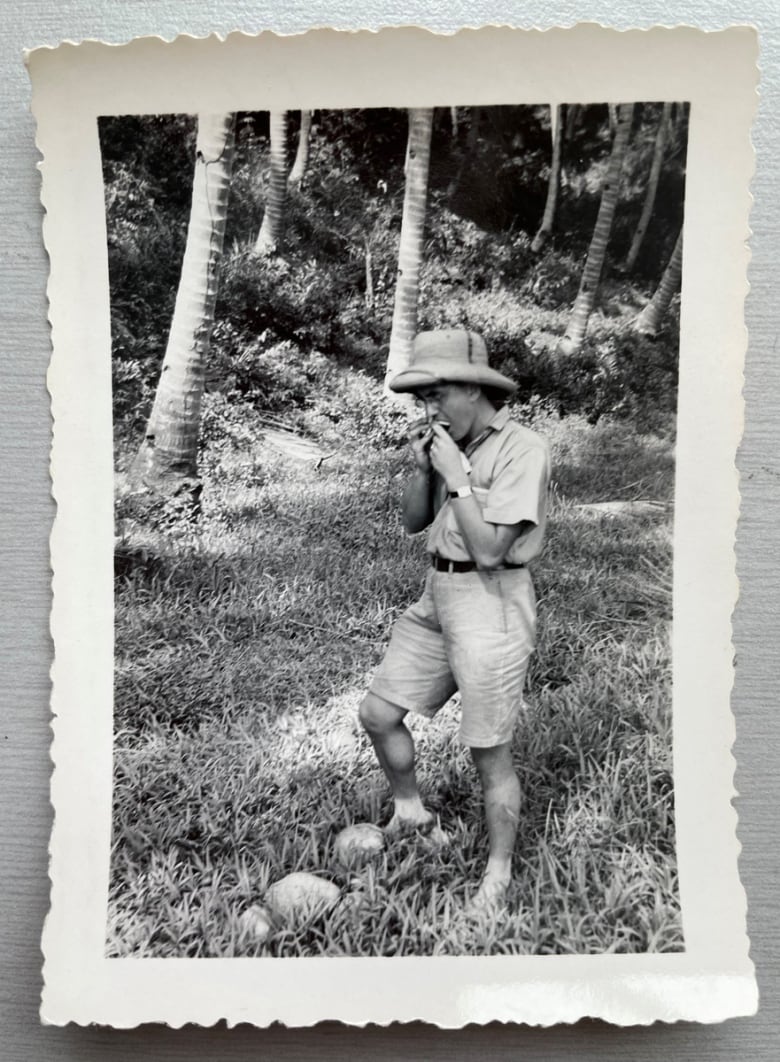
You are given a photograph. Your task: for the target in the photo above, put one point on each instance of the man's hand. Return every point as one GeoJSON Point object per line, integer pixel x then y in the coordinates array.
{"type": "Point", "coordinates": [446, 458]}
{"type": "Point", "coordinates": [420, 436]}
{"type": "Point", "coordinates": [417, 501]}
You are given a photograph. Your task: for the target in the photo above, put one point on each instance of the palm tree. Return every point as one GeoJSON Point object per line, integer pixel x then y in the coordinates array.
{"type": "Point", "coordinates": [594, 264]}
{"type": "Point", "coordinates": [612, 111]}
{"type": "Point", "coordinates": [572, 117]}
{"type": "Point", "coordinates": [548, 218]}
{"type": "Point", "coordinates": [273, 219]}
{"type": "Point", "coordinates": [167, 459]}
{"type": "Point", "coordinates": [649, 320]}
{"type": "Point", "coordinates": [410, 251]}
{"type": "Point", "coordinates": [298, 171]}
{"type": "Point", "coordinates": [652, 188]}
{"type": "Point", "coordinates": [476, 115]}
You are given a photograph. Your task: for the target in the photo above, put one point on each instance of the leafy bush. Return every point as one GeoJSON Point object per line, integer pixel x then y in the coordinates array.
{"type": "Point", "coordinates": [330, 292]}
{"type": "Point", "coordinates": [555, 280]}
{"type": "Point", "coordinates": [356, 404]}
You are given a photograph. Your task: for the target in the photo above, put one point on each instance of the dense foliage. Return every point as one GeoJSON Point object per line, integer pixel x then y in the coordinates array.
{"type": "Point", "coordinates": [330, 291]}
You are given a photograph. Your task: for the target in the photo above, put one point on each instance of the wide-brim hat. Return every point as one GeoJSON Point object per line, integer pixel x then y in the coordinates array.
{"type": "Point", "coordinates": [449, 355]}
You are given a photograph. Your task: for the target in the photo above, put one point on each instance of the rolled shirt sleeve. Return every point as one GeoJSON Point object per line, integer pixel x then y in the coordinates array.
{"type": "Point", "coordinates": [518, 491]}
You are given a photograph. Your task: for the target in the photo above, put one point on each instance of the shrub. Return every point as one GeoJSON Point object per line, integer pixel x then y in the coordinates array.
{"type": "Point", "coordinates": [554, 281]}
{"type": "Point", "coordinates": [276, 316]}
{"type": "Point", "coordinates": [357, 405]}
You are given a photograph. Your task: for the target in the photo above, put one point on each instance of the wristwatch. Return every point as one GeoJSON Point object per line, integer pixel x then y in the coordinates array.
{"type": "Point", "coordinates": [462, 492]}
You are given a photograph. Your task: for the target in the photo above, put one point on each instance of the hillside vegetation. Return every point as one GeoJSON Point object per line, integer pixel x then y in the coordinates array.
{"type": "Point", "coordinates": [485, 200]}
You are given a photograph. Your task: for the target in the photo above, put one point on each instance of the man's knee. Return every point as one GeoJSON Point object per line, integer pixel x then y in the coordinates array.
{"type": "Point", "coordinates": [494, 765]}
{"type": "Point", "coordinates": [377, 715]}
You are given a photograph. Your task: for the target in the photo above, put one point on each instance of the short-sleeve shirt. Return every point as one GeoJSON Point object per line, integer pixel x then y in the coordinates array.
{"type": "Point", "coordinates": [510, 476]}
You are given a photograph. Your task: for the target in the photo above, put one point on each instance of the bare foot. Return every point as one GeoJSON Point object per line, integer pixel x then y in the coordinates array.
{"type": "Point", "coordinates": [436, 837]}
{"type": "Point", "coordinates": [406, 824]}
{"type": "Point", "coordinates": [490, 897]}
{"type": "Point", "coordinates": [424, 828]}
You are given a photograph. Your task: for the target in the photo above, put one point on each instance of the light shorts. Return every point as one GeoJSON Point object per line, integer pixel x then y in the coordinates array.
{"type": "Point", "coordinates": [470, 631]}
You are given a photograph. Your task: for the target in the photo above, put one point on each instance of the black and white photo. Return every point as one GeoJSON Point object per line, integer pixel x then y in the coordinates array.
{"type": "Point", "coordinates": [264, 478]}
{"type": "Point", "coordinates": [394, 435]}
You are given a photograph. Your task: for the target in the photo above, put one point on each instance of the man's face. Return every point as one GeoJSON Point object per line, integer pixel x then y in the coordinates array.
{"type": "Point", "coordinates": [450, 402]}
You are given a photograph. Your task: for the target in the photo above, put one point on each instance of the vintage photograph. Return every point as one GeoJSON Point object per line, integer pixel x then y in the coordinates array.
{"type": "Point", "coordinates": [394, 398]}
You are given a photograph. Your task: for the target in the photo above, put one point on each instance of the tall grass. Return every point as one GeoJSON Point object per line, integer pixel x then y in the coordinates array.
{"type": "Point", "coordinates": [244, 645]}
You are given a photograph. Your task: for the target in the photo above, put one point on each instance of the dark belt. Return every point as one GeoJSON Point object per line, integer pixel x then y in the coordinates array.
{"type": "Point", "coordinates": [441, 564]}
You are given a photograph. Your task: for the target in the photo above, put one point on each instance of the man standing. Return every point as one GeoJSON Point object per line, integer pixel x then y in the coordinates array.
{"type": "Point", "coordinates": [480, 486]}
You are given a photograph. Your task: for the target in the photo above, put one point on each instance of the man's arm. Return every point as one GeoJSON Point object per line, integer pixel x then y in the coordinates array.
{"type": "Point", "coordinates": [417, 501]}
{"type": "Point", "coordinates": [488, 543]}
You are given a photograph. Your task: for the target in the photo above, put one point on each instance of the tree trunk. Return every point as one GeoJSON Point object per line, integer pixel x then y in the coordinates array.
{"type": "Point", "coordinates": [612, 111]}
{"type": "Point", "coordinates": [649, 320]}
{"type": "Point", "coordinates": [454, 122]}
{"type": "Point", "coordinates": [410, 251]}
{"type": "Point", "coordinates": [572, 115]}
{"type": "Point", "coordinates": [273, 219]}
{"type": "Point", "coordinates": [594, 264]}
{"type": "Point", "coordinates": [298, 172]}
{"type": "Point", "coordinates": [652, 188]}
{"type": "Point", "coordinates": [467, 158]}
{"type": "Point", "coordinates": [548, 218]}
{"type": "Point", "coordinates": [168, 458]}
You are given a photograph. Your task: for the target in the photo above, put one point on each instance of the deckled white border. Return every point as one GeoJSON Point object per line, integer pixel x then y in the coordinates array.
{"type": "Point", "coordinates": [713, 979]}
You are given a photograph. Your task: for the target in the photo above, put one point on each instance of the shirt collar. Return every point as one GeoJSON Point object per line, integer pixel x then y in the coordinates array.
{"type": "Point", "coordinates": [496, 423]}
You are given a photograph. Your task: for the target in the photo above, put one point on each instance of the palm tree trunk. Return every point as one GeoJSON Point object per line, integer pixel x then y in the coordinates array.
{"type": "Point", "coordinates": [652, 188]}
{"type": "Point", "coordinates": [410, 252]}
{"type": "Point", "coordinates": [649, 320]}
{"type": "Point", "coordinates": [167, 459]}
{"type": "Point", "coordinates": [298, 172]}
{"type": "Point", "coordinates": [467, 158]}
{"type": "Point", "coordinates": [454, 122]}
{"type": "Point", "coordinates": [612, 111]}
{"type": "Point", "coordinates": [572, 116]}
{"type": "Point", "coordinates": [594, 264]}
{"type": "Point", "coordinates": [548, 218]}
{"type": "Point", "coordinates": [273, 219]}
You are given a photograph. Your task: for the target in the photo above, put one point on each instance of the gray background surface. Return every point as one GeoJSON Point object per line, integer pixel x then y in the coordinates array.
{"type": "Point", "coordinates": [27, 512]}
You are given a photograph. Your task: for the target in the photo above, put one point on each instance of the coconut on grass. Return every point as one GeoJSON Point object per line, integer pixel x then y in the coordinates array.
{"type": "Point", "coordinates": [358, 844]}
{"type": "Point", "coordinates": [255, 924]}
{"type": "Point", "coordinates": [291, 898]}
{"type": "Point", "coordinates": [301, 894]}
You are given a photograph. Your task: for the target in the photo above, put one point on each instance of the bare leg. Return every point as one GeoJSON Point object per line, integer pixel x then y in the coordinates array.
{"type": "Point", "coordinates": [394, 747]}
{"type": "Point", "coordinates": [501, 790]}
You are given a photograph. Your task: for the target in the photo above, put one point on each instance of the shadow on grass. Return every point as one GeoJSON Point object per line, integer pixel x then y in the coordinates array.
{"type": "Point", "coordinates": [241, 656]}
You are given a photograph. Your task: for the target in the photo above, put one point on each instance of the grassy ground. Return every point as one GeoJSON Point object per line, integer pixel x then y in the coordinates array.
{"type": "Point", "coordinates": [243, 649]}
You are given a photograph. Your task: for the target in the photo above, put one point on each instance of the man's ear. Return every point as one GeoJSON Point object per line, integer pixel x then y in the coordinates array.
{"type": "Point", "coordinates": [473, 391]}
